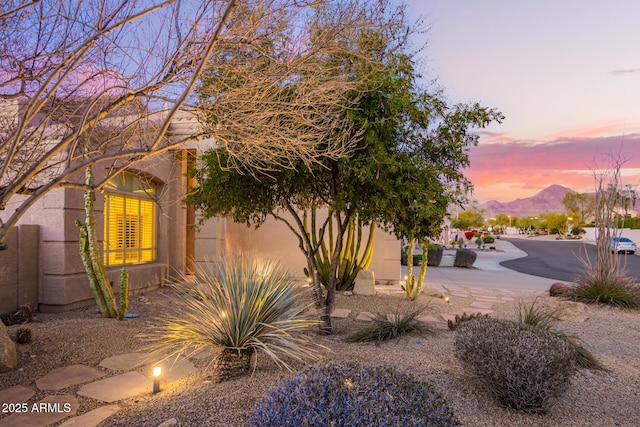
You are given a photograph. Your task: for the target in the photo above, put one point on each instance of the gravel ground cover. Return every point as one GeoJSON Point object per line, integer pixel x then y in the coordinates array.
{"type": "Point", "coordinates": [593, 398]}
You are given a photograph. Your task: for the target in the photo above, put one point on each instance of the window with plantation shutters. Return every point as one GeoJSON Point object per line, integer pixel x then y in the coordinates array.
{"type": "Point", "coordinates": [129, 221]}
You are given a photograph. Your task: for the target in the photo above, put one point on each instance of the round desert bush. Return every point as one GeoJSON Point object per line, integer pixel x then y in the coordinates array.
{"type": "Point", "coordinates": [521, 366]}
{"type": "Point", "coordinates": [351, 394]}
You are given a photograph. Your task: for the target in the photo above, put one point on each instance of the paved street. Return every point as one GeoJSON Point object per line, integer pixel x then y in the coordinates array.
{"type": "Point", "coordinates": [560, 260]}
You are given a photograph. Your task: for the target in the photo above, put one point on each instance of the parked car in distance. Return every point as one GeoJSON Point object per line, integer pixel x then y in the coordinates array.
{"type": "Point", "coordinates": [622, 244]}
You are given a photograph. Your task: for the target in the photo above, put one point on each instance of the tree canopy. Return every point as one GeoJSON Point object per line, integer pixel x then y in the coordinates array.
{"type": "Point", "coordinates": [409, 146]}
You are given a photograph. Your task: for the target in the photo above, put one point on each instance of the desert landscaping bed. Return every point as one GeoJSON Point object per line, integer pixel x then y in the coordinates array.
{"type": "Point", "coordinates": [593, 398]}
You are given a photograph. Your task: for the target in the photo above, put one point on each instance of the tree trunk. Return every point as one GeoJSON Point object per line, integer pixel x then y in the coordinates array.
{"type": "Point", "coordinates": [231, 363]}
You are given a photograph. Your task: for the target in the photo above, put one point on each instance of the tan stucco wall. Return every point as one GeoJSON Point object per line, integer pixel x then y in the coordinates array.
{"type": "Point", "coordinates": [62, 280]}
{"type": "Point", "coordinates": [275, 240]}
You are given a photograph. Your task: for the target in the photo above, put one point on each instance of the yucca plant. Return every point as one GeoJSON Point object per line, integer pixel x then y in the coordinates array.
{"type": "Point", "coordinates": [385, 328]}
{"type": "Point", "coordinates": [241, 307]}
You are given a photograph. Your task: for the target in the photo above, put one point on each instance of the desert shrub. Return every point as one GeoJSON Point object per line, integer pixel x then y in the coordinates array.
{"type": "Point", "coordinates": [458, 320]}
{"type": "Point", "coordinates": [17, 317]}
{"type": "Point", "coordinates": [611, 288]}
{"type": "Point", "coordinates": [239, 307]}
{"type": "Point", "coordinates": [24, 335]}
{"type": "Point", "coordinates": [578, 231]}
{"type": "Point", "coordinates": [351, 394]}
{"type": "Point", "coordinates": [488, 239]}
{"type": "Point", "coordinates": [464, 258]}
{"type": "Point", "coordinates": [535, 315]}
{"type": "Point", "coordinates": [521, 366]}
{"type": "Point", "coordinates": [383, 328]}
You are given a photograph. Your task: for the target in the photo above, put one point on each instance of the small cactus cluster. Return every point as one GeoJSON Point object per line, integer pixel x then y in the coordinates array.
{"type": "Point", "coordinates": [453, 324]}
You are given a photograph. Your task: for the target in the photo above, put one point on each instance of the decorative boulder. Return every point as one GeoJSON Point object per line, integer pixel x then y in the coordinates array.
{"type": "Point", "coordinates": [8, 355]}
{"type": "Point", "coordinates": [365, 283]}
{"type": "Point", "coordinates": [568, 310]}
{"type": "Point", "coordinates": [464, 258]}
{"type": "Point", "coordinates": [558, 289]}
{"type": "Point", "coordinates": [434, 256]}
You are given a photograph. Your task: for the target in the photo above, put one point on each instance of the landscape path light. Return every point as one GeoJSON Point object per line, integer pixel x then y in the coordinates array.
{"type": "Point", "coordinates": [157, 371]}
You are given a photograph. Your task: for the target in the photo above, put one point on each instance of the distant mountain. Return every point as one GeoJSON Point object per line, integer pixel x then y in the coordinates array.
{"type": "Point", "coordinates": [546, 201]}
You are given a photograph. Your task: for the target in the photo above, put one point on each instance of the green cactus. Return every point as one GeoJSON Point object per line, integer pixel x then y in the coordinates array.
{"type": "Point", "coordinates": [412, 288]}
{"type": "Point", "coordinates": [350, 260]}
{"type": "Point", "coordinates": [99, 283]}
{"type": "Point", "coordinates": [124, 293]}
{"type": "Point", "coordinates": [453, 324]}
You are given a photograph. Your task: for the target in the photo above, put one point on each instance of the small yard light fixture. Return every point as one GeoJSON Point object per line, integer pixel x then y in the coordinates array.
{"type": "Point", "coordinates": [157, 371]}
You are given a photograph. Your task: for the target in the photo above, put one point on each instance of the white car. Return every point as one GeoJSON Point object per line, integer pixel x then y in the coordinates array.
{"type": "Point", "coordinates": [622, 244]}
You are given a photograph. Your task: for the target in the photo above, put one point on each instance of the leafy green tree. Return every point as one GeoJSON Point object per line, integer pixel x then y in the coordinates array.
{"type": "Point", "coordinates": [528, 224]}
{"type": "Point", "coordinates": [580, 206]}
{"type": "Point", "coordinates": [555, 223]}
{"type": "Point", "coordinates": [470, 218]}
{"type": "Point", "coordinates": [402, 174]}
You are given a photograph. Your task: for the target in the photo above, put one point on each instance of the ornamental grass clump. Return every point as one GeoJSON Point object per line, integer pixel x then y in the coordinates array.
{"type": "Point", "coordinates": [242, 307]}
{"type": "Point", "coordinates": [384, 328]}
{"type": "Point", "coordinates": [523, 367]}
{"type": "Point", "coordinates": [352, 394]}
{"type": "Point", "coordinates": [606, 287]}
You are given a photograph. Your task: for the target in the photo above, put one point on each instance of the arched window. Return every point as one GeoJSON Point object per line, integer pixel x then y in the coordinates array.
{"type": "Point", "coordinates": [129, 220]}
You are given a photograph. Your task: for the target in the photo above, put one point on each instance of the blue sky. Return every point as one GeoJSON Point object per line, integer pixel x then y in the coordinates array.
{"type": "Point", "coordinates": [566, 74]}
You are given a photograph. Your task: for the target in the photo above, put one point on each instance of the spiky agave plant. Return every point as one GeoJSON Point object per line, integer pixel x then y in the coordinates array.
{"type": "Point", "coordinates": [240, 307]}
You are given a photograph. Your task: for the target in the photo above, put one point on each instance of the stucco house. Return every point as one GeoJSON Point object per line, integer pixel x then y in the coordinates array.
{"type": "Point", "coordinates": [144, 226]}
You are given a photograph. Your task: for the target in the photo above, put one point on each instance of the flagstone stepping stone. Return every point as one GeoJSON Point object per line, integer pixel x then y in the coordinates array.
{"type": "Point", "coordinates": [92, 418]}
{"type": "Point", "coordinates": [67, 376]}
{"type": "Point", "coordinates": [460, 294]}
{"type": "Point", "coordinates": [481, 304]}
{"type": "Point", "coordinates": [365, 316]}
{"type": "Point", "coordinates": [126, 362]}
{"type": "Point", "coordinates": [16, 394]}
{"type": "Point", "coordinates": [340, 313]}
{"type": "Point", "coordinates": [174, 371]}
{"type": "Point", "coordinates": [427, 319]}
{"type": "Point", "coordinates": [49, 410]}
{"type": "Point", "coordinates": [485, 292]}
{"type": "Point", "coordinates": [491, 300]}
{"type": "Point", "coordinates": [117, 388]}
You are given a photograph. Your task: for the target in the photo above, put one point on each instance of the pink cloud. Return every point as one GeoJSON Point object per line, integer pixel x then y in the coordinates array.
{"type": "Point", "coordinates": [506, 171]}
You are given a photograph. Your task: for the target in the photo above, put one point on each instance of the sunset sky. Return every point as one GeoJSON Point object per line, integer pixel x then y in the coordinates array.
{"type": "Point", "coordinates": [566, 74]}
